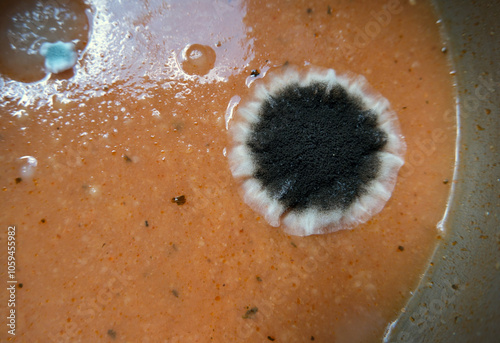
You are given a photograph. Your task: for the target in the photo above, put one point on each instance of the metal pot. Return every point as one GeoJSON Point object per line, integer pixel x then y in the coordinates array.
{"type": "Point", "coordinates": [458, 298]}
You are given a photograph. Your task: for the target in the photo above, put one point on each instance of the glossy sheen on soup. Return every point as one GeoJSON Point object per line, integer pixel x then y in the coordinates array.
{"type": "Point", "coordinates": [129, 224]}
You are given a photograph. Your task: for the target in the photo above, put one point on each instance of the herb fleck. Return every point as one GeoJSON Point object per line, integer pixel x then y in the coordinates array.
{"type": "Point", "coordinates": [455, 287]}
{"type": "Point", "coordinates": [127, 159]}
{"type": "Point", "coordinates": [18, 179]}
{"type": "Point", "coordinates": [250, 313]}
{"type": "Point", "coordinates": [180, 200]}
{"type": "Point", "coordinates": [328, 10]}
{"type": "Point", "coordinates": [271, 338]}
{"type": "Point", "coordinates": [309, 10]}
{"type": "Point", "coordinates": [293, 244]}
{"type": "Point", "coordinates": [175, 293]}
{"type": "Point", "coordinates": [401, 248]}
{"type": "Point", "coordinates": [112, 333]}
{"type": "Point", "coordinates": [312, 338]}
{"type": "Point", "coordinates": [43, 221]}
{"type": "Point", "coordinates": [259, 278]}
{"type": "Point", "coordinates": [146, 223]}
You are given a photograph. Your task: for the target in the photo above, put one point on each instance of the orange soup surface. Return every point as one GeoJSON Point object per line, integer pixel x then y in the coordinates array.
{"type": "Point", "coordinates": [129, 224]}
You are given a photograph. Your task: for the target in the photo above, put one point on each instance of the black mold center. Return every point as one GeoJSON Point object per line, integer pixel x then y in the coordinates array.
{"type": "Point", "coordinates": [314, 148]}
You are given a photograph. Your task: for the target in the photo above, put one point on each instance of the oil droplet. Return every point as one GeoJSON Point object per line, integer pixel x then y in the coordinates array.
{"type": "Point", "coordinates": [198, 59]}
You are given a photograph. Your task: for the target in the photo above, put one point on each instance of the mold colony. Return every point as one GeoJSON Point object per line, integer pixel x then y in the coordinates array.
{"type": "Point", "coordinates": [117, 176]}
{"type": "Point", "coordinates": [59, 56]}
{"type": "Point", "coordinates": [317, 149]}
{"type": "Point", "coordinates": [32, 28]}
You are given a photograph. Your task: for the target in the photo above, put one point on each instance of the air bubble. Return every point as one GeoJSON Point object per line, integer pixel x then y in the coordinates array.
{"type": "Point", "coordinates": [28, 168]}
{"type": "Point", "coordinates": [197, 59]}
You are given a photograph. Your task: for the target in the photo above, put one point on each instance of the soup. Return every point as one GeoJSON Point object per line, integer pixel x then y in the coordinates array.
{"type": "Point", "coordinates": [129, 225]}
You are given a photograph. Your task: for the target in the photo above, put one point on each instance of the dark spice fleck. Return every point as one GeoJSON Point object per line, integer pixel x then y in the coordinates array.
{"type": "Point", "coordinates": [309, 10]}
{"type": "Point", "coordinates": [127, 159]}
{"type": "Point", "coordinates": [455, 287]}
{"type": "Point", "coordinates": [250, 313]}
{"type": "Point", "coordinates": [20, 285]}
{"type": "Point", "coordinates": [180, 200]}
{"type": "Point", "coordinates": [146, 223]}
{"type": "Point", "coordinates": [175, 293]}
{"type": "Point", "coordinates": [293, 244]}
{"type": "Point", "coordinates": [312, 338]}
{"type": "Point", "coordinates": [445, 181]}
{"type": "Point", "coordinates": [271, 338]}
{"type": "Point", "coordinates": [259, 278]}
{"type": "Point", "coordinates": [328, 10]}
{"type": "Point", "coordinates": [401, 248]}
{"type": "Point", "coordinates": [18, 179]}
{"type": "Point", "coordinates": [255, 72]}
{"type": "Point", "coordinates": [112, 333]}
{"type": "Point", "coordinates": [43, 221]}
